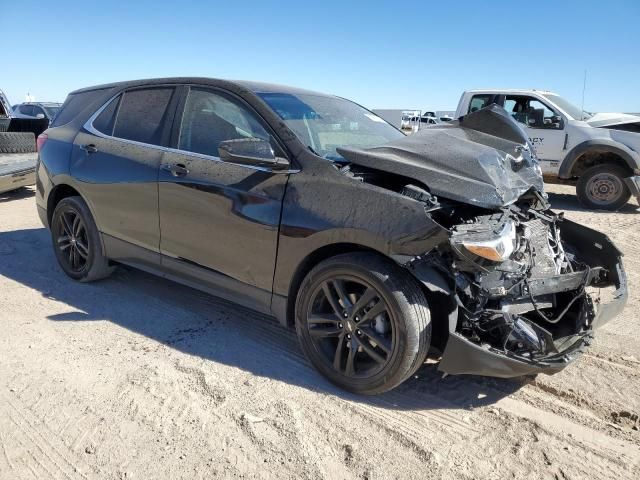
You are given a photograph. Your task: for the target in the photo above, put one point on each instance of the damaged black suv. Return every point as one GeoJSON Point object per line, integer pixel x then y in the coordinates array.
{"type": "Point", "coordinates": [375, 245]}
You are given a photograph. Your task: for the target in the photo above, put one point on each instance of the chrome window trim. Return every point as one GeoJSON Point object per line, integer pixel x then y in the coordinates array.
{"type": "Point", "coordinates": [88, 126]}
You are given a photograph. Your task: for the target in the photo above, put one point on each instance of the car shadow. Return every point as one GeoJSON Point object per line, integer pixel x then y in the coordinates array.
{"type": "Point", "coordinates": [569, 201]}
{"type": "Point", "coordinates": [201, 325]}
{"type": "Point", "coordinates": [18, 194]}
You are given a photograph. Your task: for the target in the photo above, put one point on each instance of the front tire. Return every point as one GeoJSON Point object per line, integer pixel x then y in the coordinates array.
{"type": "Point", "coordinates": [76, 241]}
{"type": "Point", "coordinates": [603, 187]}
{"type": "Point", "coordinates": [363, 322]}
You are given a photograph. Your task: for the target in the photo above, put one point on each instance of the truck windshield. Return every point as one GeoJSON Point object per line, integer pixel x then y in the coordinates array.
{"type": "Point", "coordinates": [326, 123]}
{"type": "Point", "coordinates": [568, 107]}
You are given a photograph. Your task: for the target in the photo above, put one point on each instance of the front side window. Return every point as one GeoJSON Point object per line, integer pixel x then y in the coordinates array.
{"type": "Point", "coordinates": [211, 117]}
{"type": "Point", "coordinates": [142, 114]}
{"type": "Point", "coordinates": [531, 112]}
{"type": "Point", "coordinates": [51, 111]}
{"type": "Point", "coordinates": [325, 123]}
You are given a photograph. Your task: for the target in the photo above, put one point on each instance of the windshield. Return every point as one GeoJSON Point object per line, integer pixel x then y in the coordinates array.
{"type": "Point", "coordinates": [326, 123]}
{"type": "Point", "coordinates": [568, 107]}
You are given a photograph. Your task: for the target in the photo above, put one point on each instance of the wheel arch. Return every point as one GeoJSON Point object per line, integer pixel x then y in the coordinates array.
{"type": "Point", "coordinates": [597, 152]}
{"type": "Point", "coordinates": [58, 193]}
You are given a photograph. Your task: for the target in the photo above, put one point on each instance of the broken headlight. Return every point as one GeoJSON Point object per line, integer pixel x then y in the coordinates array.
{"type": "Point", "coordinates": [497, 249]}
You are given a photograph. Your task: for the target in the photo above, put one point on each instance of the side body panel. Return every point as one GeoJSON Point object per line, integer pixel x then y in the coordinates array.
{"type": "Point", "coordinates": [222, 217]}
{"type": "Point", "coordinates": [119, 182]}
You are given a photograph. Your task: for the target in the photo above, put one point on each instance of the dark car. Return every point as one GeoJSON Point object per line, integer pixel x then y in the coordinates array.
{"type": "Point", "coordinates": [309, 207]}
{"type": "Point", "coordinates": [46, 110]}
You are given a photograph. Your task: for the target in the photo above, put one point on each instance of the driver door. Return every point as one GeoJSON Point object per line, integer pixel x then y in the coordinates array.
{"type": "Point", "coordinates": [547, 136]}
{"type": "Point", "coordinates": [219, 221]}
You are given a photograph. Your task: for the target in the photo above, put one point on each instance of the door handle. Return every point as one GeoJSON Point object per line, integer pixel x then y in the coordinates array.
{"type": "Point", "coordinates": [89, 148]}
{"type": "Point", "coordinates": [175, 169]}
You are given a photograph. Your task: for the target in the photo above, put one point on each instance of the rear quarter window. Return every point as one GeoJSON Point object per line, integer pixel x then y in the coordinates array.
{"type": "Point", "coordinates": [74, 105]}
{"type": "Point", "coordinates": [105, 122]}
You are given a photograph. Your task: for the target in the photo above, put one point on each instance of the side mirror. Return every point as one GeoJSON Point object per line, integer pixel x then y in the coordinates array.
{"type": "Point", "coordinates": [251, 151]}
{"type": "Point", "coordinates": [40, 115]}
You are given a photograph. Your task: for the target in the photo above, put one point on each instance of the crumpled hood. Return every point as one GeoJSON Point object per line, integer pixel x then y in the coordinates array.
{"type": "Point", "coordinates": [609, 119]}
{"type": "Point", "coordinates": [482, 159]}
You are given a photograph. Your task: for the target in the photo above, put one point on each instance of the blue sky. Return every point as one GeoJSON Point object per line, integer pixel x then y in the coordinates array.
{"type": "Point", "coordinates": [382, 54]}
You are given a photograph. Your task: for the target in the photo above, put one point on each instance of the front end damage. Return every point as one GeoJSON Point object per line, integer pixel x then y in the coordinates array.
{"type": "Point", "coordinates": [527, 290]}
{"type": "Point", "coordinates": [522, 287]}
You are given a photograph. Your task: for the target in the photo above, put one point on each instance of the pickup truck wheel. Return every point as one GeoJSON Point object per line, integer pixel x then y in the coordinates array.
{"type": "Point", "coordinates": [363, 322]}
{"type": "Point", "coordinates": [603, 187]}
{"type": "Point", "coordinates": [17, 142]}
{"type": "Point", "coordinates": [76, 241]}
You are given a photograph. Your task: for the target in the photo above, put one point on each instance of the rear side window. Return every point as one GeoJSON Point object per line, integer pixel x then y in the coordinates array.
{"type": "Point", "coordinates": [74, 105]}
{"type": "Point", "coordinates": [142, 115]}
{"type": "Point", "coordinates": [106, 120]}
{"type": "Point", "coordinates": [478, 102]}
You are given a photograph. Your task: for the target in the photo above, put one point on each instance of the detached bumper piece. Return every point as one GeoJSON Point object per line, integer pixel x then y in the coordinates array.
{"type": "Point", "coordinates": [464, 357]}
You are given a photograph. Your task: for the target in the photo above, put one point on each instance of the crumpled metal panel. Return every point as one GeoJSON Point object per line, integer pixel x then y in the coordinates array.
{"type": "Point", "coordinates": [482, 159]}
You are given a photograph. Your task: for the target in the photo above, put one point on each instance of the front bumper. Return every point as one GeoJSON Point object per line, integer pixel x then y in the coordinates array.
{"type": "Point", "coordinates": [462, 356]}
{"type": "Point", "coordinates": [633, 184]}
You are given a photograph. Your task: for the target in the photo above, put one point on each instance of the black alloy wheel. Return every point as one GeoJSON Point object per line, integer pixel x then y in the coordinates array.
{"type": "Point", "coordinates": [72, 240]}
{"type": "Point", "coordinates": [363, 322]}
{"type": "Point", "coordinates": [348, 321]}
{"type": "Point", "coordinates": [76, 241]}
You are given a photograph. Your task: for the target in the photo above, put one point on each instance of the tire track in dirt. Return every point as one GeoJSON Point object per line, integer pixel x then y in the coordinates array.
{"type": "Point", "coordinates": [48, 452]}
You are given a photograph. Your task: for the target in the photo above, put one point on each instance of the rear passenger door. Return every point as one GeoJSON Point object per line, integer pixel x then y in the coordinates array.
{"type": "Point", "coordinates": [219, 221]}
{"type": "Point", "coordinates": [116, 159]}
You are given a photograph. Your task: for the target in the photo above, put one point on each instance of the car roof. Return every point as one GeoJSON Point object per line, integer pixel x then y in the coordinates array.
{"type": "Point", "coordinates": [255, 87]}
{"type": "Point", "coordinates": [510, 90]}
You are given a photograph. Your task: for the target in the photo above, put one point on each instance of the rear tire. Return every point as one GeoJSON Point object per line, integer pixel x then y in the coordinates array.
{"type": "Point", "coordinates": [17, 142]}
{"type": "Point", "coordinates": [603, 188]}
{"type": "Point", "coordinates": [363, 322]}
{"type": "Point", "coordinates": [76, 241]}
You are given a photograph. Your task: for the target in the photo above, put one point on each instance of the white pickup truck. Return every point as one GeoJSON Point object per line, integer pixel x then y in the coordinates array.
{"type": "Point", "coordinates": [599, 153]}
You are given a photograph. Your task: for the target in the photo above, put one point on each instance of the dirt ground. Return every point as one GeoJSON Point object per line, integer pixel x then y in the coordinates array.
{"type": "Point", "coordinates": [137, 377]}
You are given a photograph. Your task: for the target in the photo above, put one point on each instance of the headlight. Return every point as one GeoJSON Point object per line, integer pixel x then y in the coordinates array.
{"type": "Point", "coordinates": [497, 249]}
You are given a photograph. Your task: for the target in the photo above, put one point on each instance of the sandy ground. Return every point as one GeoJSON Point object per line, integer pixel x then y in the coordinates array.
{"type": "Point", "coordinates": [137, 377]}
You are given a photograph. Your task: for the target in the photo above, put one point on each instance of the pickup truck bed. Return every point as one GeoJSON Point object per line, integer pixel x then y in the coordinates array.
{"type": "Point", "coordinates": [17, 170]}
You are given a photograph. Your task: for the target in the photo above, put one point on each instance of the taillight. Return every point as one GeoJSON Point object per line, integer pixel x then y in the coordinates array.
{"type": "Point", "coordinates": [40, 141]}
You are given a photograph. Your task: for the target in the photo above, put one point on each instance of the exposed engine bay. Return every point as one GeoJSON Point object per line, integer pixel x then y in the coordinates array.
{"type": "Point", "coordinates": [519, 288]}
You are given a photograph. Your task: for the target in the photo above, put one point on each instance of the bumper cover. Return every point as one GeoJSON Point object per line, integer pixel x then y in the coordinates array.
{"type": "Point", "coordinates": [17, 170]}
{"type": "Point", "coordinates": [461, 356]}
{"type": "Point", "coordinates": [15, 180]}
